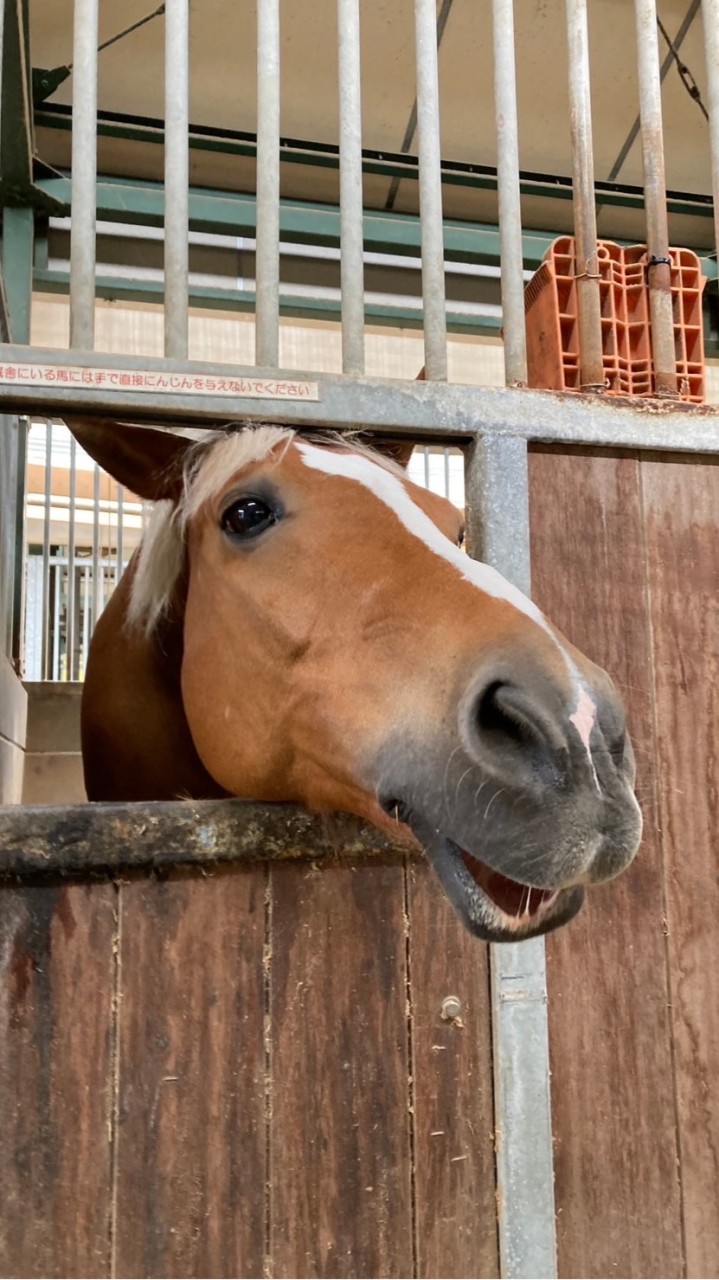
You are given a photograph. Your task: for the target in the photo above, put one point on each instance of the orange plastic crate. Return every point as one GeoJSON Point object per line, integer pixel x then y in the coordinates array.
{"type": "Point", "coordinates": [550, 301]}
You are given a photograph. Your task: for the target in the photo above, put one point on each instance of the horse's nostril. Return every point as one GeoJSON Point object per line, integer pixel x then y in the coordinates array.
{"type": "Point", "coordinates": [504, 715]}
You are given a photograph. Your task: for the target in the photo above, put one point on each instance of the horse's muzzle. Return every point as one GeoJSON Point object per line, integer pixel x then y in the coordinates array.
{"type": "Point", "coordinates": [523, 801]}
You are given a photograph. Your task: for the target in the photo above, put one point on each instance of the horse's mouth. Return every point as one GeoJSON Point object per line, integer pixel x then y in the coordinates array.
{"type": "Point", "coordinates": [490, 904]}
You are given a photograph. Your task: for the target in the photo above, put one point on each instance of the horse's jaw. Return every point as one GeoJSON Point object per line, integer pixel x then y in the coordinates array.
{"type": "Point", "coordinates": [491, 905]}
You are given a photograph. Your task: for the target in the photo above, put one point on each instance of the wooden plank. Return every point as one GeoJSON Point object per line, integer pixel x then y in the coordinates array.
{"type": "Point", "coordinates": [340, 1140]}
{"type": "Point", "coordinates": [455, 1193]}
{"type": "Point", "coordinates": [610, 1038]}
{"type": "Point", "coordinates": [681, 502]}
{"type": "Point", "coordinates": [56, 991]}
{"type": "Point", "coordinates": [191, 1115]}
{"type": "Point", "coordinates": [111, 837]}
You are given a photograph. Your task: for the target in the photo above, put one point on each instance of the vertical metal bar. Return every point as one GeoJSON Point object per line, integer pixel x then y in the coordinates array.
{"type": "Point", "coordinates": [84, 176]}
{"type": "Point", "coordinates": [498, 529]}
{"type": "Point", "coordinates": [45, 658]}
{"type": "Point", "coordinates": [70, 632]}
{"type": "Point", "coordinates": [351, 237]}
{"type": "Point", "coordinates": [177, 79]}
{"type": "Point", "coordinates": [710, 19]}
{"type": "Point", "coordinates": [510, 213]}
{"type": "Point", "coordinates": [17, 262]}
{"type": "Point", "coordinates": [591, 365]}
{"type": "Point", "coordinates": [655, 199]}
{"type": "Point", "coordinates": [430, 192]}
{"type": "Point", "coordinates": [120, 533]}
{"type": "Point", "coordinates": [96, 593]}
{"type": "Point", "coordinates": [267, 269]}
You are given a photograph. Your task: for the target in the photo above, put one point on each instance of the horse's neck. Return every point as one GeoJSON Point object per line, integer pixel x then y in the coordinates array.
{"type": "Point", "coordinates": [135, 738]}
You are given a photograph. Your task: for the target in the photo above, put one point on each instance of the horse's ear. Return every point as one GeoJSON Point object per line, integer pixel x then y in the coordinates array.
{"type": "Point", "coordinates": [146, 461]}
{"type": "Point", "coordinates": [399, 451]}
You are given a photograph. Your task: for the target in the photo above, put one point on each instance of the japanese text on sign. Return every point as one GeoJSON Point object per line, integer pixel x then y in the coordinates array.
{"type": "Point", "coordinates": [55, 375]}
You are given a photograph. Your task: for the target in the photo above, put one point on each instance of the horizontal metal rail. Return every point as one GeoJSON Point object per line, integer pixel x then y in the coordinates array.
{"type": "Point", "coordinates": [53, 115]}
{"type": "Point", "coordinates": [107, 838]}
{"type": "Point", "coordinates": [305, 222]}
{"type": "Point", "coordinates": [442, 413]}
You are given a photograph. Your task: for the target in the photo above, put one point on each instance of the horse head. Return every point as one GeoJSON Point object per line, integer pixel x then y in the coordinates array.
{"type": "Point", "coordinates": [339, 650]}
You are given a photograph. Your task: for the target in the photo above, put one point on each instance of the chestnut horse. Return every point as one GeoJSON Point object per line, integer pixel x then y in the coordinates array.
{"type": "Point", "coordinates": [300, 624]}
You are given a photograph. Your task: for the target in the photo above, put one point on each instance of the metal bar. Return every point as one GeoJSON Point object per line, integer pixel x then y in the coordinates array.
{"type": "Point", "coordinates": [97, 595]}
{"type": "Point", "coordinates": [84, 176]}
{"type": "Point", "coordinates": [305, 222]}
{"type": "Point", "coordinates": [71, 547]}
{"type": "Point", "coordinates": [710, 19]}
{"type": "Point", "coordinates": [423, 410]}
{"type": "Point", "coordinates": [430, 192]}
{"type": "Point", "coordinates": [177, 77]}
{"type": "Point", "coordinates": [119, 549]}
{"type": "Point", "coordinates": [108, 837]}
{"type": "Point", "coordinates": [386, 164]}
{"type": "Point", "coordinates": [45, 654]}
{"type": "Point", "coordinates": [497, 488]}
{"type": "Point", "coordinates": [351, 203]}
{"type": "Point", "coordinates": [267, 269]}
{"type": "Point", "coordinates": [591, 365]}
{"type": "Point", "coordinates": [655, 198]}
{"type": "Point", "coordinates": [510, 213]}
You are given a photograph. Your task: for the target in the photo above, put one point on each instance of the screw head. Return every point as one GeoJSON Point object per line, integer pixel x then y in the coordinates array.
{"type": "Point", "coordinates": [451, 1008]}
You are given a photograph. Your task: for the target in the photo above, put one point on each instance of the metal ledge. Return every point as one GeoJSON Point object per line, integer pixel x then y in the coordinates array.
{"type": "Point", "coordinates": [445, 412]}
{"type": "Point", "coordinates": [107, 838]}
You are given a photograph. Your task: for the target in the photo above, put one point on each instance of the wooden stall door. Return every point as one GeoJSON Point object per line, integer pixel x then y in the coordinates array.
{"type": "Point", "coordinates": [626, 560]}
{"type": "Point", "coordinates": [244, 1073]}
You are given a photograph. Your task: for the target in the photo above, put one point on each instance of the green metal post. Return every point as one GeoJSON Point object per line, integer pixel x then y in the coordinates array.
{"type": "Point", "coordinates": [17, 266]}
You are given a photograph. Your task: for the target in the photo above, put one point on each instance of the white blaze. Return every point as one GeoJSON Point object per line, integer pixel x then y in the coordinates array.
{"type": "Point", "coordinates": [391, 490]}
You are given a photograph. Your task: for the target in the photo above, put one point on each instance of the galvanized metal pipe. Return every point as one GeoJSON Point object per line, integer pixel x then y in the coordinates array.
{"type": "Point", "coordinates": [45, 648]}
{"type": "Point", "coordinates": [430, 192]}
{"type": "Point", "coordinates": [510, 213]}
{"type": "Point", "coordinates": [655, 199]}
{"type": "Point", "coordinates": [267, 271]}
{"type": "Point", "coordinates": [710, 19]}
{"type": "Point", "coordinates": [177, 78]}
{"type": "Point", "coordinates": [497, 489]}
{"type": "Point", "coordinates": [84, 176]}
{"type": "Point", "coordinates": [351, 207]}
{"type": "Point", "coordinates": [71, 550]}
{"type": "Point", "coordinates": [591, 367]}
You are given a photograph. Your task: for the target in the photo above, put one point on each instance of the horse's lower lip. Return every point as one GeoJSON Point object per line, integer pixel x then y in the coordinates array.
{"type": "Point", "coordinates": [511, 896]}
{"type": "Point", "coordinates": [515, 902]}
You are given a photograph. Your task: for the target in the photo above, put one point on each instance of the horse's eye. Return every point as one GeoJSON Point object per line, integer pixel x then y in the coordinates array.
{"type": "Point", "coordinates": [247, 517]}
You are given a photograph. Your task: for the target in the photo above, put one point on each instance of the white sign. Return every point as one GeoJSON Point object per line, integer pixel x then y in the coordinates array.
{"type": "Point", "coordinates": [136, 380]}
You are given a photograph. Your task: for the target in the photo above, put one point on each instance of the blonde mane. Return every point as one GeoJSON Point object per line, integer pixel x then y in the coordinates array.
{"type": "Point", "coordinates": [161, 555]}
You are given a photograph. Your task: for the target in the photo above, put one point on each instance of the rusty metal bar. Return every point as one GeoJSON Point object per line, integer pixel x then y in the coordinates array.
{"type": "Point", "coordinates": [430, 192]}
{"type": "Point", "coordinates": [591, 367]}
{"type": "Point", "coordinates": [177, 74]}
{"type": "Point", "coordinates": [108, 837]}
{"type": "Point", "coordinates": [655, 199]}
{"type": "Point", "coordinates": [710, 19]}
{"type": "Point", "coordinates": [510, 212]}
{"type": "Point", "coordinates": [84, 176]}
{"type": "Point", "coordinates": [267, 271]}
{"type": "Point", "coordinates": [351, 237]}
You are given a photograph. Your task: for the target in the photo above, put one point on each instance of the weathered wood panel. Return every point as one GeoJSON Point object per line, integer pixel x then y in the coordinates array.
{"type": "Point", "coordinates": [681, 505]}
{"type": "Point", "coordinates": [455, 1194]}
{"type": "Point", "coordinates": [191, 1176]}
{"type": "Point", "coordinates": [56, 993]}
{"type": "Point", "coordinates": [340, 1164]}
{"type": "Point", "coordinates": [610, 1036]}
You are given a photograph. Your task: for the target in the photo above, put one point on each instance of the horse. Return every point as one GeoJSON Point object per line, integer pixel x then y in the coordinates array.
{"type": "Point", "coordinates": [300, 623]}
